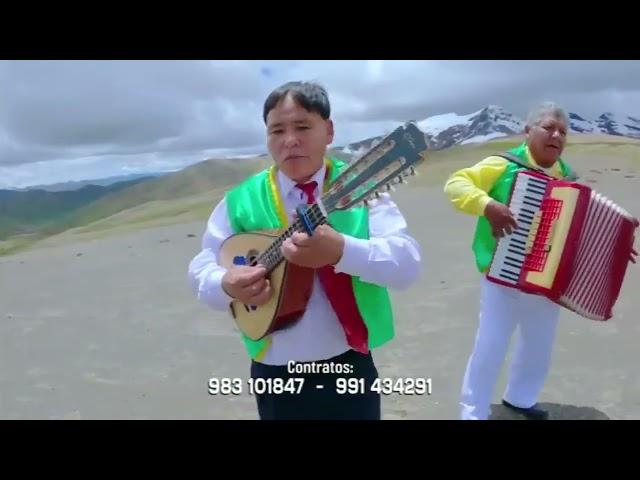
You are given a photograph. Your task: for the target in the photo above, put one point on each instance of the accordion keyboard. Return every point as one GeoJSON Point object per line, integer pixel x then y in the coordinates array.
{"type": "Point", "coordinates": [526, 200]}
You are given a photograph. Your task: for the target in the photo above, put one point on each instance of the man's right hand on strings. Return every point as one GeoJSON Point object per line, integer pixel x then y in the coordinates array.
{"type": "Point", "coordinates": [247, 284]}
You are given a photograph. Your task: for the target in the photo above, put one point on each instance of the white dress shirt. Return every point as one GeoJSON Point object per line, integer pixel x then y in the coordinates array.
{"type": "Point", "coordinates": [390, 258]}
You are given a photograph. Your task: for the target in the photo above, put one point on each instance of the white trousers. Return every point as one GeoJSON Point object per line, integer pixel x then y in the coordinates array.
{"type": "Point", "coordinates": [502, 309]}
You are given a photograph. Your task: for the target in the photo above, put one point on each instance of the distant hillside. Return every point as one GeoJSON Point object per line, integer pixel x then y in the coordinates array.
{"type": "Point", "coordinates": [199, 178]}
{"type": "Point", "coordinates": [75, 185]}
{"type": "Point", "coordinates": [190, 194]}
{"type": "Point", "coordinates": [24, 212]}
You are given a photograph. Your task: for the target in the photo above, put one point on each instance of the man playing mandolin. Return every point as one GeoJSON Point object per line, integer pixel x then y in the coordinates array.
{"type": "Point", "coordinates": [352, 259]}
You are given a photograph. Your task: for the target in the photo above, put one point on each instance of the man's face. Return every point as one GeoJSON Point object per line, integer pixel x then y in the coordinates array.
{"type": "Point", "coordinates": [547, 140]}
{"type": "Point", "coordinates": [297, 139]}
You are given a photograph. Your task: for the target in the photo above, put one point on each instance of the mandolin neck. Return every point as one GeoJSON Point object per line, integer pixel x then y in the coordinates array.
{"type": "Point", "coordinates": [272, 256]}
{"type": "Point", "coordinates": [384, 165]}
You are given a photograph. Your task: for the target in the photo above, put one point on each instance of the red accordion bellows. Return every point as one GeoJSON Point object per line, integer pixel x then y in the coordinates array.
{"type": "Point", "coordinates": [572, 245]}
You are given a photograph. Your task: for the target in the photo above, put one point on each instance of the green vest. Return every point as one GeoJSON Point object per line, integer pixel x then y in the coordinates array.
{"type": "Point", "coordinates": [484, 244]}
{"type": "Point", "coordinates": [255, 204]}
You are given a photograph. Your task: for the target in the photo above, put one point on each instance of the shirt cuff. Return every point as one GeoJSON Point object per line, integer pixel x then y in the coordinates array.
{"type": "Point", "coordinates": [355, 256]}
{"type": "Point", "coordinates": [482, 204]}
{"type": "Point", "coordinates": [221, 298]}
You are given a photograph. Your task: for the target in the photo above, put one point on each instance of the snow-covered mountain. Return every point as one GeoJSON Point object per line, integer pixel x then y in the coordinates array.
{"type": "Point", "coordinates": [450, 129]}
{"type": "Point", "coordinates": [447, 130]}
{"type": "Point", "coordinates": [610, 123]}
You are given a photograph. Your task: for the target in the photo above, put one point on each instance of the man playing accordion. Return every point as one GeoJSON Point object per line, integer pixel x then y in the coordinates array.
{"type": "Point", "coordinates": [483, 190]}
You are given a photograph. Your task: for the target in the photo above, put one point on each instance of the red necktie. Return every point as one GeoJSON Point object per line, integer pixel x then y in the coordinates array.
{"type": "Point", "coordinates": [339, 290]}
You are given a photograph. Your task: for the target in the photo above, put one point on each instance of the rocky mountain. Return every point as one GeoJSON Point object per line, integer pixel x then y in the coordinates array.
{"type": "Point", "coordinates": [609, 123]}
{"type": "Point", "coordinates": [447, 130]}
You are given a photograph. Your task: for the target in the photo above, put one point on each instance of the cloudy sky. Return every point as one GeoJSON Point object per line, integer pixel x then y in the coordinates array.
{"type": "Point", "coordinates": [73, 120]}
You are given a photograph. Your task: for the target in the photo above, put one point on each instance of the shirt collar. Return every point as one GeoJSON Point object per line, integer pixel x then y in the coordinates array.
{"type": "Point", "coordinates": [287, 186]}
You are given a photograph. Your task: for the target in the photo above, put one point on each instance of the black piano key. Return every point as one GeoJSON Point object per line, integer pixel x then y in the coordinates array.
{"type": "Point", "coordinates": [519, 233]}
{"type": "Point", "coordinates": [538, 187]}
{"type": "Point", "coordinates": [537, 181]}
{"type": "Point", "coordinates": [526, 202]}
{"type": "Point", "coordinates": [507, 276]}
{"type": "Point", "coordinates": [516, 252]}
{"type": "Point", "coordinates": [510, 258]}
{"type": "Point", "coordinates": [515, 240]}
{"type": "Point", "coordinates": [537, 191]}
{"type": "Point", "coordinates": [538, 196]}
{"type": "Point", "coordinates": [510, 271]}
{"type": "Point", "coordinates": [531, 198]}
{"type": "Point", "coordinates": [516, 263]}
{"type": "Point", "coordinates": [526, 210]}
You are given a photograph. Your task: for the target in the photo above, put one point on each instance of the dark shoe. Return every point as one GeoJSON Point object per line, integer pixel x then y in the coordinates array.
{"type": "Point", "coordinates": [532, 413]}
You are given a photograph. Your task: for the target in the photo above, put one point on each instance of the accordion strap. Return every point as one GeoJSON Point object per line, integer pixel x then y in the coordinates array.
{"type": "Point", "coordinates": [512, 158]}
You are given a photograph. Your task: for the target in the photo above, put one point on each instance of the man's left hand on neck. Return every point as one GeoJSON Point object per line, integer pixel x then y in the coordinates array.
{"type": "Point", "coordinates": [324, 247]}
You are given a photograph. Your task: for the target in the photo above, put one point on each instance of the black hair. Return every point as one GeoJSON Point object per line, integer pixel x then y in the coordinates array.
{"type": "Point", "coordinates": [311, 96]}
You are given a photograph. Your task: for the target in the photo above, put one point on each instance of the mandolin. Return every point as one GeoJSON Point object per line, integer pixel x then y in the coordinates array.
{"type": "Point", "coordinates": [386, 164]}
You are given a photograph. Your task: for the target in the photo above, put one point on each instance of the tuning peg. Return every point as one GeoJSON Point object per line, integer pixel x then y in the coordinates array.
{"type": "Point", "coordinates": [377, 194]}
{"type": "Point", "coordinates": [400, 179]}
{"type": "Point", "coordinates": [365, 202]}
{"type": "Point", "coordinates": [412, 172]}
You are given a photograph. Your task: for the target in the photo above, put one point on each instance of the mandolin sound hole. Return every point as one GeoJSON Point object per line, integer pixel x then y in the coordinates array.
{"type": "Point", "coordinates": [250, 308]}
{"type": "Point", "coordinates": [252, 257]}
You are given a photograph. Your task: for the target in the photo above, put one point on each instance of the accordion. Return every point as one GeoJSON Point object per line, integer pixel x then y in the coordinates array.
{"type": "Point", "coordinates": [571, 245]}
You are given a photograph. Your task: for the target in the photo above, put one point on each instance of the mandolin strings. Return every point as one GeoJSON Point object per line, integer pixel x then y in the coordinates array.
{"type": "Point", "coordinates": [272, 256]}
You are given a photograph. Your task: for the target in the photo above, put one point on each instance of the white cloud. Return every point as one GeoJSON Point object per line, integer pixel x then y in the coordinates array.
{"type": "Point", "coordinates": [56, 115]}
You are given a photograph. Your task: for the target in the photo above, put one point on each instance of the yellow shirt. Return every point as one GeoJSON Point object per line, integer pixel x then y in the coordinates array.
{"type": "Point", "coordinates": [468, 188]}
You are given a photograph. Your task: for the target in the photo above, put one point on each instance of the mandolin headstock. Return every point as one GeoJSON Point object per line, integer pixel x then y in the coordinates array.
{"type": "Point", "coordinates": [387, 164]}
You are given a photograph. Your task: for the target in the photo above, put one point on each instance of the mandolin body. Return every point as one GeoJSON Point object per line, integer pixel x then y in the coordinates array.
{"type": "Point", "coordinates": [291, 284]}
